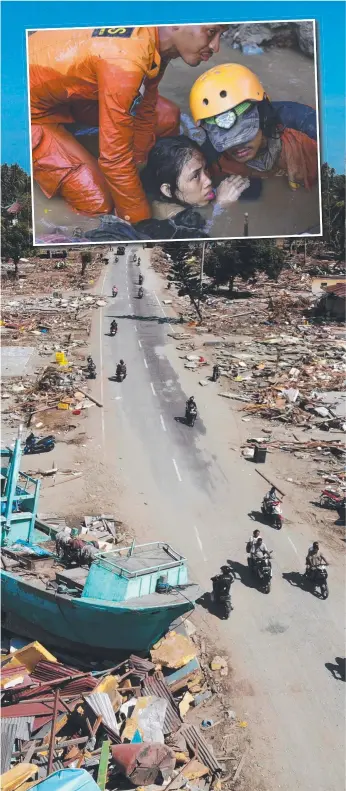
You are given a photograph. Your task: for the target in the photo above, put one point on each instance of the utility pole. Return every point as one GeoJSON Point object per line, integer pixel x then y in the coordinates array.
{"type": "Point", "coordinates": [201, 273]}
{"type": "Point", "coordinates": [246, 224]}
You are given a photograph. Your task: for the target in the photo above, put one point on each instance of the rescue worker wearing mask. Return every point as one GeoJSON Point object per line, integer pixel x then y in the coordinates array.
{"type": "Point", "coordinates": [105, 77]}
{"type": "Point", "coordinates": [248, 132]}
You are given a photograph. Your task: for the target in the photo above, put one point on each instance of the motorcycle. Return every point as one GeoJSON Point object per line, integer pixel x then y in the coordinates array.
{"type": "Point", "coordinates": [140, 293]}
{"type": "Point", "coordinates": [215, 374]}
{"type": "Point", "coordinates": [116, 259]}
{"type": "Point", "coordinates": [121, 373]}
{"type": "Point", "coordinates": [91, 370]}
{"type": "Point", "coordinates": [272, 509]}
{"type": "Point", "coordinates": [139, 262]}
{"type": "Point", "coordinates": [134, 259]}
{"type": "Point", "coordinates": [317, 578]}
{"type": "Point", "coordinates": [39, 444]}
{"type": "Point", "coordinates": [140, 280]}
{"type": "Point", "coordinates": [330, 498]}
{"type": "Point", "coordinates": [113, 330]}
{"type": "Point", "coordinates": [114, 291]}
{"type": "Point", "coordinates": [262, 568]}
{"type": "Point", "coordinates": [190, 417]}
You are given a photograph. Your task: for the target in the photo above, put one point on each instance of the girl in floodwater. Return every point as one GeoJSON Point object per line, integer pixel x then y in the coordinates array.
{"type": "Point", "coordinates": [246, 130]}
{"type": "Point", "coordinates": [176, 177]}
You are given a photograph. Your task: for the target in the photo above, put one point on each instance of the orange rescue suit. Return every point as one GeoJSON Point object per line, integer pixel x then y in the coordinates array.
{"type": "Point", "coordinates": [107, 77]}
{"type": "Point", "coordinates": [298, 160]}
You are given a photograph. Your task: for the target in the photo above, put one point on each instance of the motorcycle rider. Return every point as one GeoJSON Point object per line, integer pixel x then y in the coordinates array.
{"type": "Point", "coordinates": [252, 540]}
{"type": "Point", "coordinates": [138, 262]}
{"type": "Point", "coordinates": [191, 405]}
{"type": "Point", "coordinates": [121, 368]}
{"type": "Point", "coordinates": [140, 279]}
{"type": "Point", "coordinates": [314, 558]}
{"type": "Point", "coordinates": [216, 373]}
{"type": "Point", "coordinates": [91, 364]}
{"type": "Point", "coordinates": [114, 326]}
{"type": "Point", "coordinates": [140, 292]}
{"type": "Point", "coordinates": [259, 550]}
{"type": "Point", "coordinates": [222, 583]}
{"type": "Point", "coordinates": [114, 291]}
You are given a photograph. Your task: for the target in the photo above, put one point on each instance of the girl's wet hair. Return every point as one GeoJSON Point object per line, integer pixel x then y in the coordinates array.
{"type": "Point", "coordinates": [270, 122]}
{"type": "Point", "coordinates": [165, 163]}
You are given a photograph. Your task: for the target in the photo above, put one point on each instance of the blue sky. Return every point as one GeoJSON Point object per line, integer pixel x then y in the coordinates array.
{"type": "Point", "coordinates": [17, 16]}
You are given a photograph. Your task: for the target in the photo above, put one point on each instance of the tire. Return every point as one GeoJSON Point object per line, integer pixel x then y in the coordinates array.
{"type": "Point", "coordinates": [266, 588]}
{"type": "Point", "coordinates": [324, 591]}
{"type": "Point", "coordinates": [278, 523]}
{"type": "Point", "coordinates": [262, 510]}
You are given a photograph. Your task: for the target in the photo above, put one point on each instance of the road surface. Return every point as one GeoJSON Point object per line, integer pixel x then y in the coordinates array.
{"type": "Point", "coordinates": [198, 495]}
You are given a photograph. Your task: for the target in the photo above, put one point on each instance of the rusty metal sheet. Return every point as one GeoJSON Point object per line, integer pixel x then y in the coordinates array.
{"type": "Point", "coordinates": [155, 685]}
{"type": "Point", "coordinates": [197, 743]}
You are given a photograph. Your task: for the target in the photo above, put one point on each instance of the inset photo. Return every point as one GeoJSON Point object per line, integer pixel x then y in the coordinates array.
{"type": "Point", "coordinates": [174, 132]}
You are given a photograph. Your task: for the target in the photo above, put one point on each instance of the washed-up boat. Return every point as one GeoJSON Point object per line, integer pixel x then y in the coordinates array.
{"type": "Point", "coordinates": [112, 607]}
{"type": "Point", "coordinates": [125, 601]}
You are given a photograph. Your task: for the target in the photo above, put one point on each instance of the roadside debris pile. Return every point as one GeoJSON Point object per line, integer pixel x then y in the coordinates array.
{"type": "Point", "coordinates": [56, 388]}
{"type": "Point", "coordinates": [62, 271]}
{"type": "Point", "coordinates": [123, 725]}
{"type": "Point", "coordinates": [39, 328]}
{"type": "Point", "coordinates": [48, 320]}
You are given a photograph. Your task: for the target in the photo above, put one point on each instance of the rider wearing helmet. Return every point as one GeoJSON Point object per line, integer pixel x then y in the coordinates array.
{"type": "Point", "coordinates": [191, 404]}
{"type": "Point", "coordinates": [246, 129]}
{"type": "Point", "coordinates": [222, 582]}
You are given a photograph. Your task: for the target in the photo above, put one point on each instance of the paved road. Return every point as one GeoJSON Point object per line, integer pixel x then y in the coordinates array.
{"type": "Point", "coordinates": [199, 495]}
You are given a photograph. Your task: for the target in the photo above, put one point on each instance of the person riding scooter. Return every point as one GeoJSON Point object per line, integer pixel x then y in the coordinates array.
{"type": "Point", "coordinates": [222, 589]}
{"type": "Point", "coordinates": [138, 262]}
{"type": "Point", "coordinates": [113, 327]}
{"type": "Point", "coordinates": [314, 558]}
{"type": "Point", "coordinates": [140, 279]}
{"type": "Point", "coordinates": [121, 370]}
{"type": "Point", "coordinates": [216, 373]}
{"type": "Point", "coordinates": [140, 292]}
{"type": "Point", "coordinates": [114, 291]}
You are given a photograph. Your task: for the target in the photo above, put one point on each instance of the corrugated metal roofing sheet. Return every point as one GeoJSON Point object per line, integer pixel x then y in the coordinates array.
{"type": "Point", "coordinates": [196, 742]}
{"type": "Point", "coordinates": [50, 671]}
{"type": "Point", "coordinates": [11, 729]}
{"type": "Point", "coordinates": [155, 685]}
{"type": "Point", "coordinates": [8, 737]}
{"type": "Point", "coordinates": [142, 666]}
{"type": "Point", "coordinates": [100, 704]}
{"type": "Point", "coordinates": [338, 290]}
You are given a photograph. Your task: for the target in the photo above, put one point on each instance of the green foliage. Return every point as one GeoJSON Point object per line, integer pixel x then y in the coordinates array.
{"type": "Point", "coordinates": [16, 242]}
{"type": "Point", "coordinates": [15, 183]}
{"type": "Point", "coordinates": [227, 260]}
{"type": "Point", "coordinates": [333, 206]}
{"type": "Point", "coordinates": [185, 269]}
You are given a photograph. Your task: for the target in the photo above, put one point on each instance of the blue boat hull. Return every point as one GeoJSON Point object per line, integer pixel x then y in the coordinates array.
{"type": "Point", "coordinates": [84, 625]}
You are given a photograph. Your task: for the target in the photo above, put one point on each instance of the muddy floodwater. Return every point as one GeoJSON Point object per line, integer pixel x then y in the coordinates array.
{"type": "Point", "coordinates": [286, 76]}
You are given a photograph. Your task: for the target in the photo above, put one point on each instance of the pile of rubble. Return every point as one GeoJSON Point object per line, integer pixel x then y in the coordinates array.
{"type": "Point", "coordinates": [48, 321]}
{"type": "Point", "coordinates": [137, 723]}
{"type": "Point", "coordinates": [61, 272]}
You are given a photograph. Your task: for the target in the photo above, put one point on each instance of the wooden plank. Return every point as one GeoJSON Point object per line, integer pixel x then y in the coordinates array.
{"type": "Point", "coordinates": [270, 482]}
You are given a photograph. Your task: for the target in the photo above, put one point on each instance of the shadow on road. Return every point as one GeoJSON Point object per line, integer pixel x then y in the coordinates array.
{"type": "Point", "coordinates": [339, 669]}
{"type": "Point", "coordinates": [206, 601]}
{"type": "Point", "coordinates": [181, 420]}
{"type": "Point", "coordinates": [242, 573]}
{"type": "Point", "coordinates": [257, 516]}
{"type": "Point", "coordinates": [134, 317]}
{"type": "Point", "coordinates": [295, 578]}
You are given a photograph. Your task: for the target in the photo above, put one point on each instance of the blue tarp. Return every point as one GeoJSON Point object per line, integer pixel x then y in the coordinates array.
{"type": "Point", "coordinates": [67, 780]}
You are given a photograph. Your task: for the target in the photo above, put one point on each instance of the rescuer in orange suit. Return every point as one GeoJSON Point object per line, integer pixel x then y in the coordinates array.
{"type": "Point", "coordinates": [107, 77]}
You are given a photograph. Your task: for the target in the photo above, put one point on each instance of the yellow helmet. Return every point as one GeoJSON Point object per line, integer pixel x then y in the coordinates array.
{"type": "Point", "coordinates": [222, 88]}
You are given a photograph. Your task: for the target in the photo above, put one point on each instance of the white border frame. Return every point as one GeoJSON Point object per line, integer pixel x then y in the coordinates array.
{"type": "Point", "coordinates": [194, 239]}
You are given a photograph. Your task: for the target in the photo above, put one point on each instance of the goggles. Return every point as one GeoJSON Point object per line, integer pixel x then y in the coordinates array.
{"type": "Point", "coordinates": [229, 118]}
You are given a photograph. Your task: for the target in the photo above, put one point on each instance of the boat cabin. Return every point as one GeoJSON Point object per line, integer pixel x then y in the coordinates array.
{"type": "Point", "coordinates": [133, 572]}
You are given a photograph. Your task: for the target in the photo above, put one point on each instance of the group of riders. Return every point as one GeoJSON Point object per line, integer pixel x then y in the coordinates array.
{"type": "Point", "coordinates": [259, 555]}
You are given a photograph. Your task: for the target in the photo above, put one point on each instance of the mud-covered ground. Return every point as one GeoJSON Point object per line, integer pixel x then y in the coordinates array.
{"type": "Point", "coordinates": [286, 75]}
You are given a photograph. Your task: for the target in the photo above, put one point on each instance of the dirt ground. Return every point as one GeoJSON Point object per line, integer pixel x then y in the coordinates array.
{"type": "Point", "coordinates": [286, 75]}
